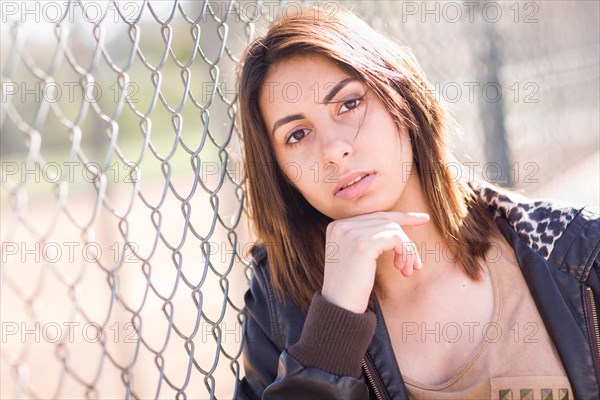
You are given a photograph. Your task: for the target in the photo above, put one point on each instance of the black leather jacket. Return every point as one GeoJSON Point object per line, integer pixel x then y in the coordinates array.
{"type": "Point", "coordinates": [558, 252]}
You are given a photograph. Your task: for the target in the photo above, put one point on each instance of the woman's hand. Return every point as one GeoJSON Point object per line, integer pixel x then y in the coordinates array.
{"type": "Point", "coordinates": [350, 273]}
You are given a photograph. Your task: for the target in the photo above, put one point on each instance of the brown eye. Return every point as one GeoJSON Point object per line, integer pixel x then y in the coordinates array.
{"type": "Point", "coordinates": [350, 105]}
{"type": "Point", "coordinates": [296, 136]}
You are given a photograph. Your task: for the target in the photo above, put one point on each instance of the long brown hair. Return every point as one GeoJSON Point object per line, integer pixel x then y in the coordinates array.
{"type": "Point", "coordinates": [292, 231]}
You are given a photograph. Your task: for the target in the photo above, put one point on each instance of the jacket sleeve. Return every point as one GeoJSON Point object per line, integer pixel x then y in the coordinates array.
{"type": "Point", "coordinates": [324, 363]}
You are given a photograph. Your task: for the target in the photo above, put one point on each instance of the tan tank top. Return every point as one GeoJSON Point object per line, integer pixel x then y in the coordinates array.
{"type": "Point", "coordinates": [516, 358]}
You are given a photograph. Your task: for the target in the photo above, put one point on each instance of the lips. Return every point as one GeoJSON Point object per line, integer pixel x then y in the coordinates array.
{"type": "Point", "coordinates": [353, 185]}
{"type": "Point", "coordinates": [352, 182]}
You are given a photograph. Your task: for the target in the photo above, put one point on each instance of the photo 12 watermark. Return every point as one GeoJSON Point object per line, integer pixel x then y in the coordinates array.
{"type": "Point", "coordinates": [433, 253]}
{"type": "Point", "coordinates": [70, 11]}
{"type": "Point", "coordinates": [451, 91]}
{"type": "Point", "coordinates": [69, 172]}
{"type": "Point", "coordinates": [95, 12]}
{"type": "Point", "coordinates": [471, 332]}
{"type": "Point", "coordinates": [71, 92]}
{"type": "Point", "coordinates": [492, 172]}
{"type": "Point", "coordinates": [525, 12]}
{"type": "Point", "coordinates": [489, 92]}
{"type": "Point", "coordinates": [69, 332]}
{"type": "Point", "coordinates": [53, 252]}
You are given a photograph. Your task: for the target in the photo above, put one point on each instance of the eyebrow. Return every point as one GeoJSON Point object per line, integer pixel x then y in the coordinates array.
{"type": "Point", "coordinates": [330, 95]}
{"type": "Point", "coordinates": [338, 86]}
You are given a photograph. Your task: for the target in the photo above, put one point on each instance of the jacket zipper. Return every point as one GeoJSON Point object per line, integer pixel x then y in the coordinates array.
{"type": "Point", "coordinates": [594, 329]}
{"type": "Point", "coordinates": [372, 377]}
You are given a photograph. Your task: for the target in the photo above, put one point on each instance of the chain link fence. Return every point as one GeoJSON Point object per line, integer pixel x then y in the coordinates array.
{"type": "Point", "coordinates": [124, 236]}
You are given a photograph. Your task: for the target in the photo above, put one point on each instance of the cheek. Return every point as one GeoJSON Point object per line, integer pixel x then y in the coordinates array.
{"type": "Point", "coordinates": [389, 138]}
{"type": "Point", "coordinates": [293, 173]}
{"type": "Point", "coordinates": [298, 166]}
{"type": "Point", "coordinates": [381, 123]}
{"type": "Point", "coordinates": [290, 169]}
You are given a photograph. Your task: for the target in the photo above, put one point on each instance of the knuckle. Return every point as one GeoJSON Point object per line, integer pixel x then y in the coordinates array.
{"type": "Point", "coordinates": [354, 236]}
{"type": "Point", "coordinates": [345, 230]}
{"type": "Point", "coordinates": [362, 246]}
{"type": "Point", "coordinates": [398, 235]}
{"type": "Point", "coordinates": [411, 247]}
{"type": "Point", "coordinates": [329, 229]}
{"type": "Point", "coordinates": [394, 226]}
{"type": "Point", "coordinates": [334, 228]}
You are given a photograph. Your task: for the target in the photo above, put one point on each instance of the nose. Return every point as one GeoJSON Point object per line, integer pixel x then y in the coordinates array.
{"type": "Point", "coordinates": [337, 146]}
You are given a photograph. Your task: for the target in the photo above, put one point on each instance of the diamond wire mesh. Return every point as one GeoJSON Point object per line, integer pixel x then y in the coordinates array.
{"type": "Point", "coordinates": [124, 114]}
{"type": "Point", "coordinates": [123, 231]}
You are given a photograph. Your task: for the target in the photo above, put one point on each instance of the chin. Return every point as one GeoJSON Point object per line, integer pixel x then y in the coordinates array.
{"type": "Point", "coordinates": [356, 210]}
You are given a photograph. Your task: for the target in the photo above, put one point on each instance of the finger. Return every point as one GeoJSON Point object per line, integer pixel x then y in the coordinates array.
{"type": "Point", "coordinates": [412, 248]}
{"type": "Point", "coordinates": [407, 271]}
{"type": "Point", "coordinates": [391, 237]}
{"type": "Point", "coordinates": [418, 262]}
{"type": "Point", "coordinates": [410, 218]}
{"type": "Point", "coordinates": [400, 263]}
{"type": "Point", "coordinates": [409, 260]}
{"type": "Point", "coordinates": [402, 218]}
{"type": "Point", "coordinates": [405, 257]}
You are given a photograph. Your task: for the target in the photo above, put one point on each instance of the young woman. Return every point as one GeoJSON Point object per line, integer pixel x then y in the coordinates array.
{"type": "Point", "coordinates": [380, 274]}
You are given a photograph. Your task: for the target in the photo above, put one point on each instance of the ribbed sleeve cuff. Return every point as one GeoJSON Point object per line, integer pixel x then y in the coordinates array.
{"type": "Point", "coordinates": [334, 339]}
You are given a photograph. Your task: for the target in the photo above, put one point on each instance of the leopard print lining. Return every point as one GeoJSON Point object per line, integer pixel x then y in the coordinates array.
{"type": "Point", "coordinates": [538, 223]}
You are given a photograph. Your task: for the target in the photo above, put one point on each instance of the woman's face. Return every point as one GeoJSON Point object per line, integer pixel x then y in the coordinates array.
{"type": "Point", "coordinates": [328, 130]}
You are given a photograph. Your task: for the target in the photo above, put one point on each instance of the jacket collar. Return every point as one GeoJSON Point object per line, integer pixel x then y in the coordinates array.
{"type": "Point", "coordinates": [539, 224]}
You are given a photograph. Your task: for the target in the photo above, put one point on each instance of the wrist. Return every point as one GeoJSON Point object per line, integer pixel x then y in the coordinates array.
{"type": "Point", "coordinates": [334, 339]}
{"type": "Point", "coordinates": [349, 301]}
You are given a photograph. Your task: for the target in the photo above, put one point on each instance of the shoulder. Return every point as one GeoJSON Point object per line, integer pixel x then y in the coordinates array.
{"type": "Point", "coordinates": [567, 236]}
{"type": "Point", "coordinates": [280, 320]}
{"type": "Point", "coordinates": [260, 268]}
{"type": "Point", "coordinates": [579, 248]}
{"type": "Point", "coordinates": [260, 295]}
